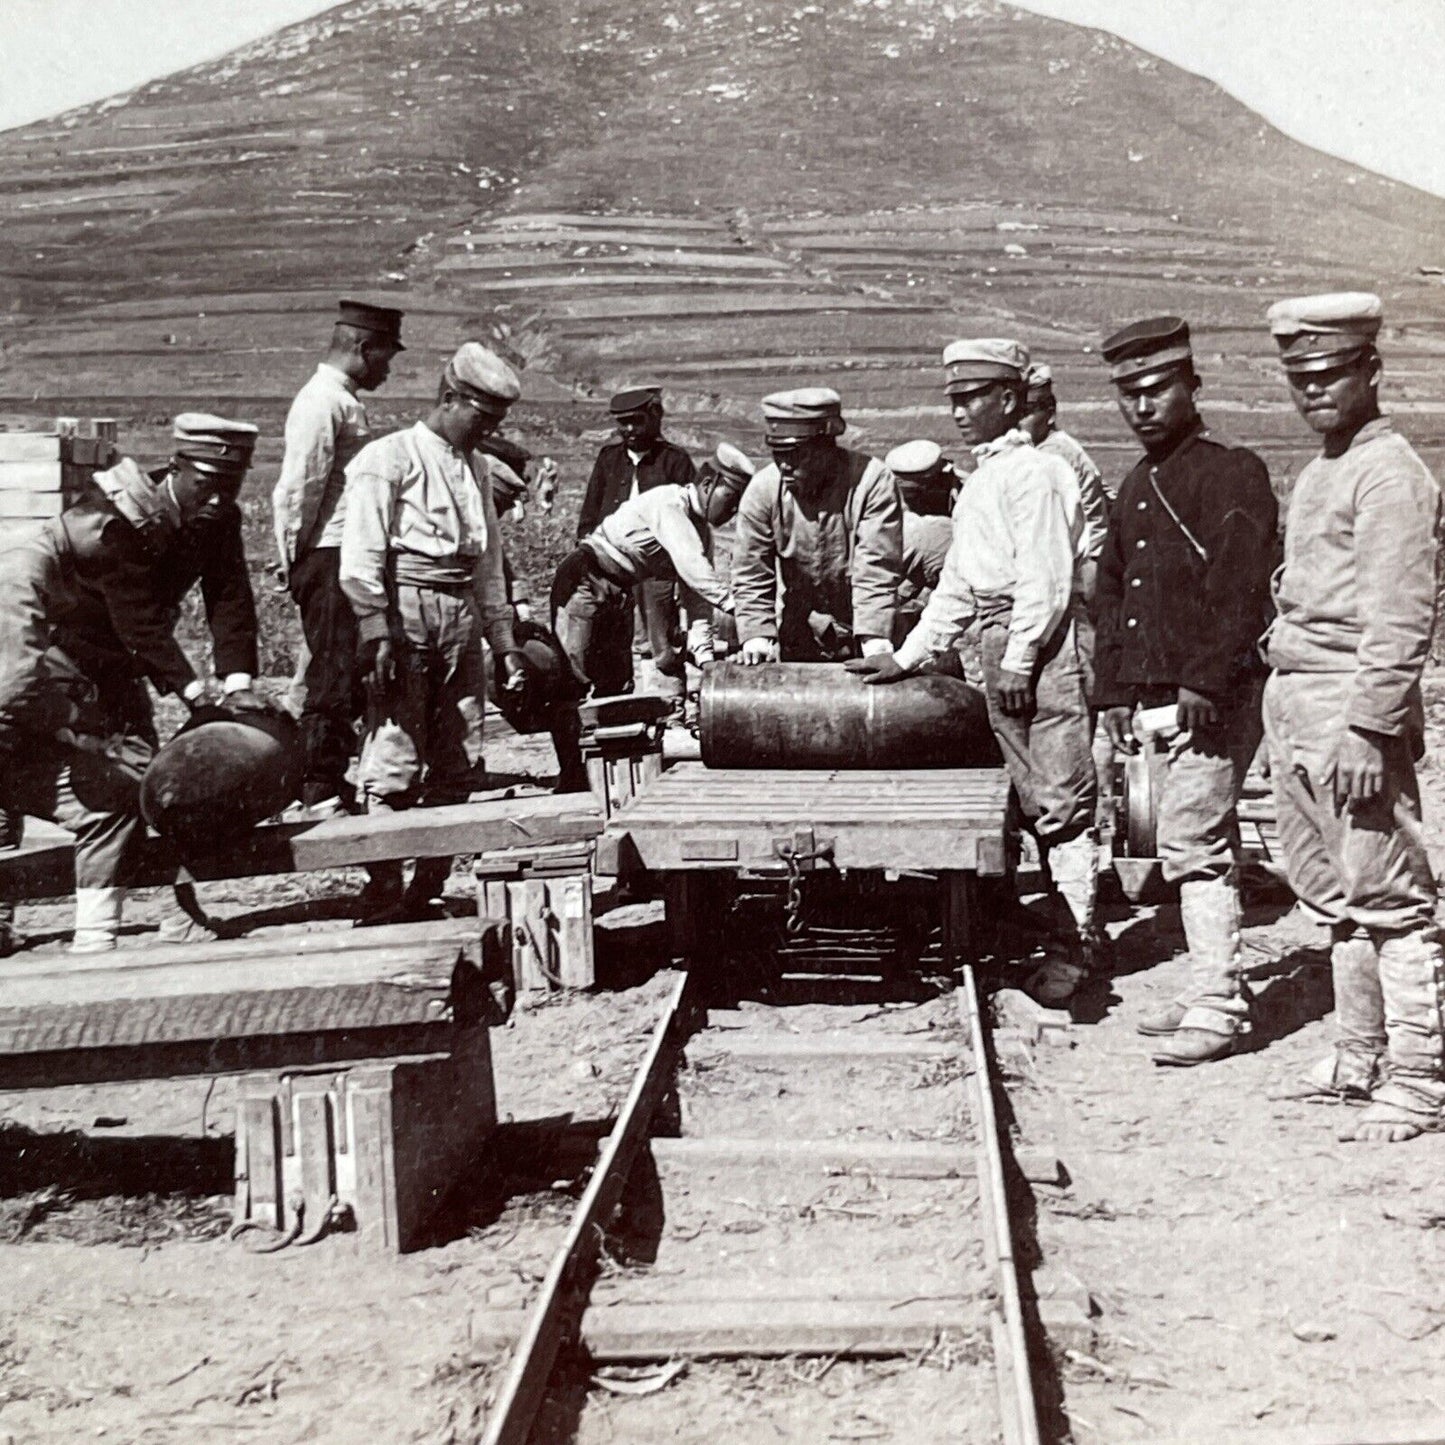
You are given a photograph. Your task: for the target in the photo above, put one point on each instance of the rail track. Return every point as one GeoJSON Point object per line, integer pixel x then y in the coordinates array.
{"type": "Point", "coordinates": [807, 1168]}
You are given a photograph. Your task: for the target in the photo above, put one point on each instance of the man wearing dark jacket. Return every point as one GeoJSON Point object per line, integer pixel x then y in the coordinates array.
{"type": "Point", "coordinates": [639, 459]}
{"type": "Point", "coordinates": [1182, 596]}
{"type": "Point", "coordinates": [86, 607]}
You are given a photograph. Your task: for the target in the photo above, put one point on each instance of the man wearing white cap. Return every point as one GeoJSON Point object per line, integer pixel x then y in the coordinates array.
{"type": "Point", "coordinates": [421, 562]}
{"type": "Point", "coordinates": [87, 606]}
{"type": "Point", "coordinates": [927, 485]}
{"type": "Point", "coordinates": [827, 523]}
{"type": "Point", "coordinates": [1345, 722]}
{"type": "Point", "coordinates": [1011, 573]}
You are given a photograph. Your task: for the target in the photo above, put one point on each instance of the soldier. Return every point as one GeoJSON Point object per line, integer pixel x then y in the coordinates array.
{"type": "Point", "coordinates": [827, 523]}
{"type": "Point", "coordinates": [1183, 591]}
{"type": "Point", "coordinates": [1344, 717]}
{"type": "Point", "coordinates": [421, 562]}
{"type": "Point", "coordinates": [927, 485]}
{"type": "Point", "coordinates": [325, 429]}
{"type": "Point", "coordinates": [640, 458]}
{"type": "Point", "coordinates": [1011, 574]}
{"type": "Point", "coordinates": [86, 605]}
{"type": "Point", "coordinates": [665, 534]}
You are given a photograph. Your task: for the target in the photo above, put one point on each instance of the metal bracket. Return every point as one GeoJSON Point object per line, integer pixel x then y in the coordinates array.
{"type": "Point", "coordinates": [804, 852]}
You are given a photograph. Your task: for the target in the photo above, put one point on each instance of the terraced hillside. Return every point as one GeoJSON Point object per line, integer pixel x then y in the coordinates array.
{"type": "Point", "coordinates": [724, 195]}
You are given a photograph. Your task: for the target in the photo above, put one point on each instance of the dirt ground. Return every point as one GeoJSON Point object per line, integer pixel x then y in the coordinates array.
{"type": "Point", "coordinates": [1250, 1271]}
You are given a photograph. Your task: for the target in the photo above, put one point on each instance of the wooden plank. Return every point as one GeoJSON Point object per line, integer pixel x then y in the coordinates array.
{"type": "Point", "coordinates": [531, 937]}
{"type": "Point", "coordinates": [238, 1012]}
{"type": "Point", "coordinates": [572, 904]}
{"type": "Point", "coordinates": [552, 1318]}
{"type": "Point", "coordinates": [703, 1329]}
{"type": "Point", "coordinates": [29, 504]}
{"type": "Point", "coordinates": [17, 446]}
{"type": "Point", "coordinates": [883, 1158]}
{"type": "Point", "coordinates": [481, 826]}
{"type": "Point", "coordinates": [31, 476]}
{"type": "Point", "coordinates": [864, 846]}
{"type": "Point", "coordinates": [838, 1044]}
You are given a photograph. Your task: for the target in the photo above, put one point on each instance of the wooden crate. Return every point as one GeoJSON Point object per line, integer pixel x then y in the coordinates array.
{"type": "Point", "coordinates": [546, 895]}
{"type": "Point", "coordinates": [42, 473]}
{"type": "Point", "coordinates": [378, 1146]}
{"type": "Point", "coordinates": [621, 746]}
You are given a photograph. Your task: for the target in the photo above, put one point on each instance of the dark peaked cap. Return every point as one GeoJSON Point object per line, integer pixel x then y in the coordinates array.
{"type": "Point", "coordinates": [383, 320]}
{"type": "Point", "coordinates": [1146, 346]}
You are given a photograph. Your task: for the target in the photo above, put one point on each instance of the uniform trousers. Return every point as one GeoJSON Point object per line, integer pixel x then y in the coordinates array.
{"type": "Point", "coordinates": [93, 796]}
{"type": "Point", "coordinates": [1198, 786]}
{"type": "Point", "coordinates": [423, 739]}
{"type": "Point", "coordinates": [592, 615]}
{"type": "Point", "coordinates": [1047, 751]}
{"type": "Point", "coordinates": [1364, 865]}
{"type": "Point", "coordinates": [333, 694]}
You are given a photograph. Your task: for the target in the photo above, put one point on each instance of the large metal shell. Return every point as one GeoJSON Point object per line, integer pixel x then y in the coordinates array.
{"type": "Point", "coordinates": [818, 715]}
{"type": "Point", "coordinates": [216, 779]}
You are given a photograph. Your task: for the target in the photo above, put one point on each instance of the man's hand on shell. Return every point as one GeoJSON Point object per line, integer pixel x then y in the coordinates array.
{"type": "Point", "coordinates": [881, 667]}
{"type": "Point", "coordinates": [758, 650]}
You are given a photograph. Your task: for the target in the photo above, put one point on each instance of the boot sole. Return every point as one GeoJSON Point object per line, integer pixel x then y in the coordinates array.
{"type": "Point", "coordinates": [1151, 1032]}
{"type": "Point", "coordinates": [1173, 1061]}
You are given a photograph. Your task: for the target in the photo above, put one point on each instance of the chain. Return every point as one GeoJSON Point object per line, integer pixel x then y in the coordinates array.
{"type": "Point", "coordinates": [794, 923]}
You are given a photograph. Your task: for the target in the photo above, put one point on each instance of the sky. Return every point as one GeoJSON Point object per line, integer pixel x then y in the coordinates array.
{"type": "Point", "coordinates": [1357, 78]}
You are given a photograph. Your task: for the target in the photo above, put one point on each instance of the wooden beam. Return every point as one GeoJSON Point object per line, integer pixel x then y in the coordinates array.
{"type": "Point", "coordinates": [220, 1008]}
{"type": "Point", "coordinates": [703, 1329]}
{"type": "Point", "coordinates": [838, 1044]}
{"type": "Point", "coordinates": [883, 1158]}
{"type": "Point", "coordinates": [487, 825]}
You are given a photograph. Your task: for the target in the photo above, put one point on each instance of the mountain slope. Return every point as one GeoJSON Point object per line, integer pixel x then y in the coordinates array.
{"type": "Point", "coordinates": [723, 194]}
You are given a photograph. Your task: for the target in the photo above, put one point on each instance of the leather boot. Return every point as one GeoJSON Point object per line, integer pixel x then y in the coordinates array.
{"type": "Point", "coordinates": [97, 919]}
{"type": "Point", "coordinates": [1351, 1072]}
{"type": "Point", "coordinates": [1215, 1012]}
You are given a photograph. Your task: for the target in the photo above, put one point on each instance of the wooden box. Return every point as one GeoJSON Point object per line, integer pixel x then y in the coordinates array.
{"type": "Point", "coordinates": [546, 895]}
{"type": "Point", "coordinates": [374, 1147]}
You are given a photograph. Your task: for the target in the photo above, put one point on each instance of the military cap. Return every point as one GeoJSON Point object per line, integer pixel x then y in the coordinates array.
{"type": "Point", "coordinates": [732, 462]}
{"type": "Point", "coordinates": [808, 411]}
{"type": "Point", "coordinates": [213, 444]}
{"type": "Point", "coordinates": [1040, 382]}
{"type": "Point", "coordinates": [970, 365]}
{"type": "Point", "coordinates": [385, 321]}
{"type": "Point", "coordinates": [913, 461]}
{"type": "Point", "coordinates": [482, 376]}
{"type": "Point", "coordinates": [634, 398]}
{"type": "Point", "coordinates": [1316, 332]}
{"type": "Point", "coordinates": [1144, 347]}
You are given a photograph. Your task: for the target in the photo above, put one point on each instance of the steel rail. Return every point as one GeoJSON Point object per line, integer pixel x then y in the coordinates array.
{"type": "Point", "coordinates": [556, 1313]}
{"type": "Point", "coordinates": [1017, 1402]}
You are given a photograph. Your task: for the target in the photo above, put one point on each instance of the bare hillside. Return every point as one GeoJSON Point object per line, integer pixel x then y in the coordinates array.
{"type": "Point", "coordinates": [725, 195]}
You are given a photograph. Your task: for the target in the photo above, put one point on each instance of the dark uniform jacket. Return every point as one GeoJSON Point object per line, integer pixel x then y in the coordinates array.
{"type": "Point", "coordinates": [612, 474]}
{"type": "Point", "coordinates": [128, 594]}
{"type": "Point", "coordinates": [1183, 599]}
